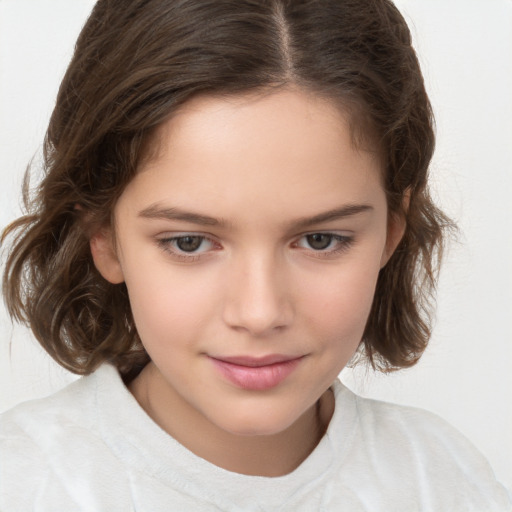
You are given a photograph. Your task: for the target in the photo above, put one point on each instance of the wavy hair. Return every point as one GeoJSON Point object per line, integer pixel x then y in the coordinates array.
{"type": "Point", "coordinates": [135, 63]}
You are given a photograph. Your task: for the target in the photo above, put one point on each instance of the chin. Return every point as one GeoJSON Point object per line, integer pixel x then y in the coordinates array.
{"type": "Point", "coordinates": [254, 430]}
{"type": "Point", "coordinates": [257, 423]}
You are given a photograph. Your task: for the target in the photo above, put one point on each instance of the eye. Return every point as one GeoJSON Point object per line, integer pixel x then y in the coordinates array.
{"type": "Point", "coordinates": [325, 243]}
{"type": "Point", "coordinates": [189, 243]}
{"type": "Point", "coordinates": [319, 241]}
{"type": "Point", "coordinates": [187, 246]}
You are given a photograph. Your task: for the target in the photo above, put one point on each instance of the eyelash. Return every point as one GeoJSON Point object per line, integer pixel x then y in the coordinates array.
{"type": "Point", "coordinates": [343, 243]}
{"type": "Point", "coordinates": [167, 245]}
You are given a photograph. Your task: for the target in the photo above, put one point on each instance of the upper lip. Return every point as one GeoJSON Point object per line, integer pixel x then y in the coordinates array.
{"type": "Point", "coordinates": [256, 361]}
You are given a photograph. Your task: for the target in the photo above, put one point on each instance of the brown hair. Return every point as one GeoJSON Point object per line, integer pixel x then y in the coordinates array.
{"type": "Point", "coordinates": [135, 63]}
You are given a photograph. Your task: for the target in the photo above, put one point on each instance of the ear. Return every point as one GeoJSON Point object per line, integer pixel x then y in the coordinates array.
{"type": "Point", "coordinates": [105, 257]}
{"type": "Point", "coordinates": [397, 223]}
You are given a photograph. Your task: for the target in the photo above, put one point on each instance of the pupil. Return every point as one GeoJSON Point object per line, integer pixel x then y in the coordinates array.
{"type": "Point", "coordinates": [189, 243]}
{"type": "Point", "coordinates": [319, 241]}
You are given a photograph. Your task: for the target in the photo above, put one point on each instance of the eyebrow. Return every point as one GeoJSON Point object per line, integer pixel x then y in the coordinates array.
{"type": "Point", "coordinates": [157, 212]}
{"type": "Point", "coordinates": [330, 215]}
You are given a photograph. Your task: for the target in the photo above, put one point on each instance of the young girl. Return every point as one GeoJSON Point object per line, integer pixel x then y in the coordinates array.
{"type": "Point", "coordinates": [235, 205]}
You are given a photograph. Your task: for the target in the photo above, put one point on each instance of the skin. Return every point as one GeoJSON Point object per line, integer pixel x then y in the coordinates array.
{"type": "Point", "coordinates": [260, 165]}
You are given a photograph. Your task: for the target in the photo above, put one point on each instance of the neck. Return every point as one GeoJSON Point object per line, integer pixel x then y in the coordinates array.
{"type": "Point", "coordinates": [264, 455]}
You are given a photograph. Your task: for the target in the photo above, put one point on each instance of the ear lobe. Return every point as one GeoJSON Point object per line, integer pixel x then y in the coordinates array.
{"type": "Point", "coordinates": [105, 257]}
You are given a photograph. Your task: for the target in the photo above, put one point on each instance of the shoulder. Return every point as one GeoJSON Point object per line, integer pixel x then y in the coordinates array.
{"type": "Point", "coordinates": [48, 445]}
{"type": "Point", "coordinates": [21, 460]}
{"type": "Point", "coordinates": [34, 419]}
{"type": "Point", "coordinates": [398, 424]}
{"type": "Point", "coordinates": [73, 407]}
{"type": "Point", "coordinates": [420, 454]}
{"type": "Point", "coordinates": [419, 433]}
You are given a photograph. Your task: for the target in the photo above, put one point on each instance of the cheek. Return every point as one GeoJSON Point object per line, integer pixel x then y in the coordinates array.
{"type": "Point", "coordinates": [168, 305]}
{"type": "Point", "coordinates": [339, 304]}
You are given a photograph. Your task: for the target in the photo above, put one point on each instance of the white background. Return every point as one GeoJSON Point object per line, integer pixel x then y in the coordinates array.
{"type": "Point", "coordinates": [465, 48]}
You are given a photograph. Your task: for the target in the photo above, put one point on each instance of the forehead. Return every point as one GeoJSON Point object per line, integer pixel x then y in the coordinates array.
{"type": "Point", "coordinates": [268, 108]}
{"type": "Point", "coordinates": [277, 150]}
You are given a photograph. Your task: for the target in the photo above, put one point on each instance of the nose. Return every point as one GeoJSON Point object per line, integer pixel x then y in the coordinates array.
{"type": "Point", "coordinates": [258, 299]}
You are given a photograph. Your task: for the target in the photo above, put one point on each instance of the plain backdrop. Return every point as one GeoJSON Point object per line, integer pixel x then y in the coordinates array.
{"type": "Point", "coordinates": [465, 47]}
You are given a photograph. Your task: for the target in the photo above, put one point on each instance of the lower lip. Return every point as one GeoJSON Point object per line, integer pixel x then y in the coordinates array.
{"type": "Point", "coordinates": [256, 378]}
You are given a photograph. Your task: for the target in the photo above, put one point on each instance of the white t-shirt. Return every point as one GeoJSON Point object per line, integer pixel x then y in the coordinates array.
{"type": "Point", "coordinates": [91, 447]}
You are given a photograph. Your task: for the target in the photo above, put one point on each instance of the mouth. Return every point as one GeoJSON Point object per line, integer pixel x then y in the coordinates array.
{"type": "Point", "coordinates": [256, 373]}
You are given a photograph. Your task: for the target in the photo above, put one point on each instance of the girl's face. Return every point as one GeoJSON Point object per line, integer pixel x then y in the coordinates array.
{"type": "Point", "coordinates": [250, 247]}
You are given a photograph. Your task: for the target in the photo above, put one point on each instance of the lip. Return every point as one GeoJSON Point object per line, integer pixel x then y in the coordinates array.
{"type": "Point", "coordinates": [256, 373]}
